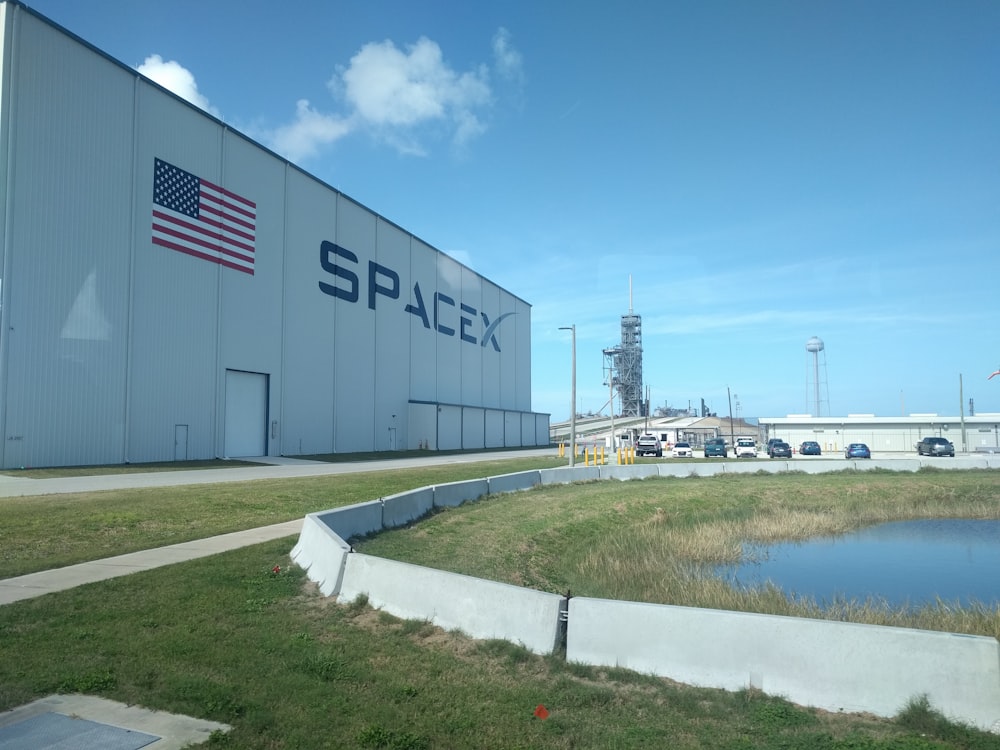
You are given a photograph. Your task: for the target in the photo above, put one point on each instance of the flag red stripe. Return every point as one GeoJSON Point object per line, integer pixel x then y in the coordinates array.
{"type": "Point", "coordinates": [204, 256]}
{"type": "Point", "coordinates": [212, 243]}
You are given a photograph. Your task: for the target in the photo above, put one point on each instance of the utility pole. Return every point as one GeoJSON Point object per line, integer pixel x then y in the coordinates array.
{"type": "Point", "coordinates": [732, 434]}
{"type": "Point", "coordinates": [572, 418]}
{"type": "Point", "coordinates": [961, 411]}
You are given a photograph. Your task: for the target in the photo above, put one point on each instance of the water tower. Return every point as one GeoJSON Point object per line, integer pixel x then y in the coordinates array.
{"type": "Point", "coordinates": [815, 382]}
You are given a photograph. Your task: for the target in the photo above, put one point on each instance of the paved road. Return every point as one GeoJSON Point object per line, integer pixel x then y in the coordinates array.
{"type": "Point", "coordinates": [270, 467]}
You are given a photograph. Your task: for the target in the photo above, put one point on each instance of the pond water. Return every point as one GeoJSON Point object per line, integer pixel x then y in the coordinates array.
{"type": "Point", "coordinates": [906, 563]}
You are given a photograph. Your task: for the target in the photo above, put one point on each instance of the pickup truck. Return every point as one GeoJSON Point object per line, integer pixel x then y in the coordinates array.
{"type": "Point", "coordinates": [746, 448]}
{"type": "Point", "coordinates": [648, 445]}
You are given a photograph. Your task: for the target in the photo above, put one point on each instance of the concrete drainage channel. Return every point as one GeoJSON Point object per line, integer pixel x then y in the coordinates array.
{"type": "Point", "coordinates": [830, 665]}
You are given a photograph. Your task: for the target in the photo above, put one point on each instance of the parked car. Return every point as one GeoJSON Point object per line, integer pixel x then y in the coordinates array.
{"type": "Point", "coordinates": [682, 450]}
{"type": "Point", "coordinates": [781, 449]}
{"type": "Point", "coordinates": [935, 446]}
{"type": "Point", "coordinates": [716, 447]}
{"type": "Point", "coordinates": [770, 443]}
{"type": "Point", "coordinates": [810, 448]}
{"type": "Point", "coordinates": [857, 450]}
{"type": "Point", "coordinates": [648, 445]}
{"type": "Point", "coordinates": [746, 448]}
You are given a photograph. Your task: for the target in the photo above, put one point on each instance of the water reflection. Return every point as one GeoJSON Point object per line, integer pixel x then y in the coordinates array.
{"type": "Point", "coordinates": [906, 563]}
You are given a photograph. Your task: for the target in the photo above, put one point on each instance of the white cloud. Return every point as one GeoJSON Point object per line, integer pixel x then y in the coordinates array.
{"type": "Point", "coordinates": [400, 91]}
{"type": "Point", "coordinates": [507, 60]}
{"type": "Point", "coordinates": [176, 78]}
{"type": "Point", "coordinates": [406, 98]}
{"type": "Point", "coordinates": [310, 130]}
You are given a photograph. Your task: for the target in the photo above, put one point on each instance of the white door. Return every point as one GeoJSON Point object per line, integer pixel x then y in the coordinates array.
{"type": "Point", "coordinates": [246, 414]}
{"type": "Point", "coordinates": [180, 442]}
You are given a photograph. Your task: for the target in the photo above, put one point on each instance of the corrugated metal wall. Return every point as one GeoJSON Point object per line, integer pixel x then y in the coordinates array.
{"type": "Point", "coordinates": [113, 346]}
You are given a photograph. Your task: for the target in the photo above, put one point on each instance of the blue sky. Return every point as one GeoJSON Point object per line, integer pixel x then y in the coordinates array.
{"type": "Point", "coordinates": [764, 172]}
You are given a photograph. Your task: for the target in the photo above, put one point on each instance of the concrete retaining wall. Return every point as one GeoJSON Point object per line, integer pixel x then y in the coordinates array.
{"type": "Point", "coordinates": [629, 471]}
{"type": "Point", "coordinates": [567, 475]}
{"type": "Point", "coordinates": [406, 507]}
{"type": "Point", "coordinates": [522, 480]}
{"type": "Point", "coordinates": [356, 520]}
{"type": "Point", "coordinates": [322, 554]}
{"type": "Point", "coordinates": [480, 609]}
{"type": "Point", "coordinates": [831, 665]}
{"type": "Point", "coordinates": [456, 493]}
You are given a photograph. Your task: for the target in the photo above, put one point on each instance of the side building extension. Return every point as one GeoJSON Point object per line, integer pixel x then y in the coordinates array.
{"type": "Point", "coordinates": [974, 434]}
{"type": "Point", "coordinates": [173, 290]}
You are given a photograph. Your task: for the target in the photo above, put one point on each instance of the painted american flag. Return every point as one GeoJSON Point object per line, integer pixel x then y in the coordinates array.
{"type": "Point", "coordinates": [193, 216]}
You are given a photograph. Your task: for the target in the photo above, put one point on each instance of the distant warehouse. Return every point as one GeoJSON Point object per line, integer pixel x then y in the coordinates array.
{"type": "Point", "coordinates": [172, 290]}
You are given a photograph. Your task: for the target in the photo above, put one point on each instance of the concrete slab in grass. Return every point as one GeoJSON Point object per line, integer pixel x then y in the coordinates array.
{"type": "Point", "coordinates": [456, 493]}
{"type": "Point", "coordinates": [107, 723]}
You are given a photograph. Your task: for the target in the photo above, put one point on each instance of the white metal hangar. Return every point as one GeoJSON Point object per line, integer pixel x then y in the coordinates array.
{"type": "Point", "coordinates": [173, 290]}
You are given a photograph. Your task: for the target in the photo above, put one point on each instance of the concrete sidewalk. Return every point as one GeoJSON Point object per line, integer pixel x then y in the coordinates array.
{"type": "Point", "coordinates": [60, 579]}
{"type": "Point", "coordinates": [265, 467]}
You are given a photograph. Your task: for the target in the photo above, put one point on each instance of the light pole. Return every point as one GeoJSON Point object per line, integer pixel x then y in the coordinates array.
{"type": "Point", "coordinates": [572, 413]}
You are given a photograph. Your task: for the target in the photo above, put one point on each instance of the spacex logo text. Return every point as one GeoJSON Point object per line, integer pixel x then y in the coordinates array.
{"type": "Point", "coordinates": [384, 282]}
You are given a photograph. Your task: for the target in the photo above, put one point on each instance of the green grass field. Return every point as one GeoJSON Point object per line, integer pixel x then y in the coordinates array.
{"type": "Point", "coordinates": [229, 639]}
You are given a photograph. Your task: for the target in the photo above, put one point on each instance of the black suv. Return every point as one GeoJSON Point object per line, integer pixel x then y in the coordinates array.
{"type": "Point", "coordinates": [780, 448]}
{"type": "Point", "coordinates": [935, 446]}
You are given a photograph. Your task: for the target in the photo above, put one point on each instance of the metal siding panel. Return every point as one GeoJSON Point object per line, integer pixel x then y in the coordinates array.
{"type": "Point", "coordinates": [449, 428]}
{"type": "Point", "coordinates": [507, 335]}
{"type": "Point", "coordinates": [392, 339]}
{"type": "Point", "coordinates": [251, 309]}
{"type": "Point", "coordinates": [522, 385]}
{"type": "Point", "coordinates": [472, 352]}
{"type": "Point", "coordinates": [491, 372]}
{"type": "Point", "coordinates": [423, 338]}
{"type": "Point", "coordinates": [494, 428]}
{"type": "Point", "coordinates": [66, 288]}
{"type": "Point", "coordinates": [354, 403]}
{"type": "Point", "coordinates": [307, 409]}
{"type": "Point", "coordinates": [449, 352]}
{"type": "Point", "coordinates": [175, 363]}
{"type": "Point", "coordinates": [512, 429]}
{"type": "Point", "coordinates": [473, 428]}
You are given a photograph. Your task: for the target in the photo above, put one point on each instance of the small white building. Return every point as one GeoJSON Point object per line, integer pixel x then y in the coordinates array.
{"type": "Point", "coordinates": [980, 433]}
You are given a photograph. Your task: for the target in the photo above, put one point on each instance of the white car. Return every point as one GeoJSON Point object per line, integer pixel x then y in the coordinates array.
{"type": "Point", "coordinates": [682, 450]}
{"type": "Point", "coordinates": [746, 448]}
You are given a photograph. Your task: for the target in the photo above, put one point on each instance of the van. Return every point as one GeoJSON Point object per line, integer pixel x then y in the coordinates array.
{"type": "Point", "coordinates": [716, 447]}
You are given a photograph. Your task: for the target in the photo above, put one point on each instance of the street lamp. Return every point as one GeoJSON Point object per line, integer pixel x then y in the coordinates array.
{"type": "Point", "coordinates": [572, 412]}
